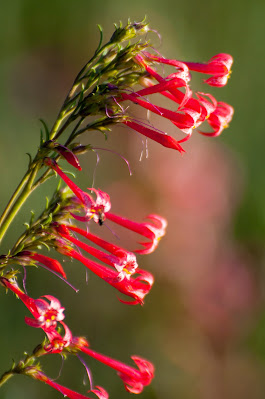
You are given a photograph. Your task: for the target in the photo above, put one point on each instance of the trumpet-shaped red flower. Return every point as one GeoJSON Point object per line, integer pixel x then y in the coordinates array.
{"type": "Point", "coordinates": [46, 315]}
{"type": "Point", "coordinates": [99, 211]}
{"type": "Point", "coordinates": [153, 230]}
{"type": "Point", "coordinates": [123, 261]}
{"type": "Point", "coordinates": [50, 263]}
{"type": "Point", "coordinates": [39, 375]}
{"type": "Point", "coordinates": [161, 138]}
{"type": "Point", "coordinates": [219, 66]}
{"type": "Point", "coordinates": [191, 111]}
{"type": "Point", "coordinates": [219, 119]}
{"type": "Point", "coordinates": [137, 286]}
{"type": "Point", "coordinates": [134, 379]}
{"type": "Point", "coordinates": [57, 342]}
{"type": "Point", "coordinates": [95, 209]}
{"type": "Point", "coordinates": [68, 155]}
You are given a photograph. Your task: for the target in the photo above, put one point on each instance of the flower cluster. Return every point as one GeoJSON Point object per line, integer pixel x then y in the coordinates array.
{"type": "Point", "coordinates": [190, 110]}
{"type": "Point", "coordinates": [95, 102]}
{"type": "Point", "coordinates": [122, 271]}
{"type": "Point", "coordinates": [46, 316]}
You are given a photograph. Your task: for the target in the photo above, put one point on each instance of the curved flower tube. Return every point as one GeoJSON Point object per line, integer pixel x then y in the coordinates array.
{"type": "Point", "coordinates": [154, 231]}
{"type": "Point", "coordinates": [219, 119]}
{"type": "Point", "coordinates": [123, 261]}
{"type": "Point", "coordinates": [219, 66]}
{"type": "Point", "coordinates": [134, 379]}
{"type": "Point", "coordinates": [161, 138]}
{"type": "Point", "coordinates": [137, 287]}
{"type": "Point", "coordinates": [46, 315]}
{"type": "Point", "coordinates": [200, 109]}
{"type": "Point", "coordinates": [50, 263]}
{"type": "Point", "coordinates": [95, 209]}
{"type": "Point", "coordinates": [181, 120]}
{"type": "Point", "coordinates": [39, 375]}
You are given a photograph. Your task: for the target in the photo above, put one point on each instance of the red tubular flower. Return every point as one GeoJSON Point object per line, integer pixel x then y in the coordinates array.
{"type": "Point", "coordinates": [94, 209]}
{"type": "Point", "coordinates": [182, 70]}
{"type": "Point", "coordinates": [50, 263]}
{"type": "Point", "coordinates": [136, 287]}
{"type": "Point", "coordinates": [161, 138]}
{"type": "Point", "coordinates": [57, 342]}
{"type": "Point", "coordinates": [39, 375]}
{"type": "Point", "coordinates": [154, 231]}
{"type": "Point", "coordinates": [181, 120]}
{"type": "Point", "coordinates": [46, 315]}
{"type": "Point", "coordinates": [191, 112]}
{"type": "Point", "coordinates": [219, 66]}
{"type": "Point", "coordinates": [29, 302]}
{"type": "Point", "coordinates": [68, 155]}
{"type": "Point", "coordinates": [205, 107]}
{"type": "Point", "coordinates": [134, 380]}
{"type": "Point", "coordinates": [219, 119]}
{"type": "Point", "coordinates": [123, 261]}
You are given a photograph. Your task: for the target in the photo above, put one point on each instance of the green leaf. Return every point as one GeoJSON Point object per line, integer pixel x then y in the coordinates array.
{"type": "Point", "coordinates": [47, 203]}
{"type": "Point", "coordinates": [41, 138]}
{"type": "Point", "coordinates": [32, 218]}
{"type": "Point", "coordinates": [45, 129]}
{"type": "Point", "coordinates": [100, 39]}
{"type": "Point", "coordinates": [30, 158]}
{"type": "Point", "coordinates": [48, 220]}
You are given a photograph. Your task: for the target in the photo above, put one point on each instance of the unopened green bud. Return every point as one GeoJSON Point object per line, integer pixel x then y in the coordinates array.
{"type": "Point", "coordinates": [130, 31]}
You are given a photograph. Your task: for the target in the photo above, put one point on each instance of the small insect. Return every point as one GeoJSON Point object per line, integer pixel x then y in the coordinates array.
{"type": "Point", "coordinates": [101, 218]}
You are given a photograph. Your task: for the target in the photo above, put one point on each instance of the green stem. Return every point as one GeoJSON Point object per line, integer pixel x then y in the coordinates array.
{"type": "Point", "coordinates": [12, 199]}
{"type": "Point", "coordinates": [5, 377]}
{"type": "Point", "coordinates": [20, 200]}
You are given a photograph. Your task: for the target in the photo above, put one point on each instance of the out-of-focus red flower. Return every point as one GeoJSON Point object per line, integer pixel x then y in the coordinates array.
{"type": "Point", "coordinates": [39, 375]}
{"type": "Point", "coordinates": [222, 302]}
{"type": "Point", "coordinates": [134, 380]}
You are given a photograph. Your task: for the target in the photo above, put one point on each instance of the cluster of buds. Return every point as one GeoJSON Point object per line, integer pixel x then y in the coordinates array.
{"type": "Point", "coordinates": [95, 102]}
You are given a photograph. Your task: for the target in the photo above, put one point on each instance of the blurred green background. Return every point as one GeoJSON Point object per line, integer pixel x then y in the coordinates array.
{"type": "Point", "coordinates": [203, 324]}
